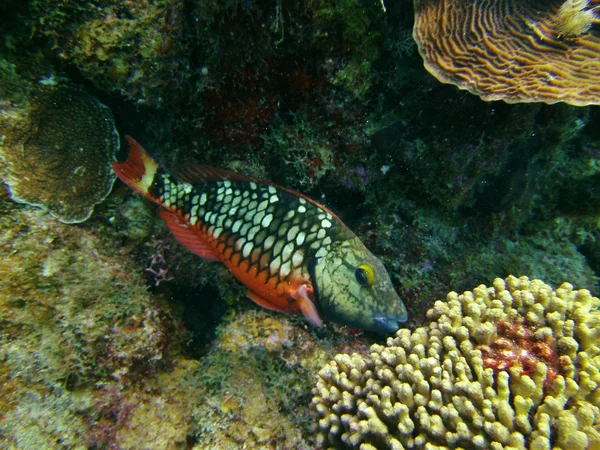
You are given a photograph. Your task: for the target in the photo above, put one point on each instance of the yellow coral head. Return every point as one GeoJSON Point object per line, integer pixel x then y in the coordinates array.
{"type": "Point", "coordinates": [353, 288]}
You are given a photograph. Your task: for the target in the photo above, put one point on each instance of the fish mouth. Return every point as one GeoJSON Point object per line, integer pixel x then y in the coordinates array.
{"type": "Point", "coordinates": [388, 324]}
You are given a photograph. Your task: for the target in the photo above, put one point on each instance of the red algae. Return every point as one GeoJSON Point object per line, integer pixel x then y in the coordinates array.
{"type": "Point", "coordinates": [516, 345]}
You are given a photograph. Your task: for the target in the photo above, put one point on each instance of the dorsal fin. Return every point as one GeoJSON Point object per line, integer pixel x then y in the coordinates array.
{"type": "Point", "coordinates": [200, 174]}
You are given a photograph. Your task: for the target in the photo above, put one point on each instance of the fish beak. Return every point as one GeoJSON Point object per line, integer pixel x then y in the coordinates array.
{"type": "Point", "coordinates": [387, 324]}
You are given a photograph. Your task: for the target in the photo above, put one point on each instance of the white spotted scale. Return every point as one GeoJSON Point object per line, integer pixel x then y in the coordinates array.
{"type": "Point", "coordinates": [274, 230]}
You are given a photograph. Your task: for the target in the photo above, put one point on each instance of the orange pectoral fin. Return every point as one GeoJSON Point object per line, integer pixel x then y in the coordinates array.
{"type": "Point", "coordinates": [307, 306]}
{"type": "Point", "coordinates": [188, 237]}
{"type": "Point", "coordinates": [264, 303]}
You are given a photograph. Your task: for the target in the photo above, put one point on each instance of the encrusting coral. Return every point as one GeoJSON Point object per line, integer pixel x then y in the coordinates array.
{"type": "Point", "coordinates": [58, 154]}
{"type": "Point", "coordinates": [512, 366]}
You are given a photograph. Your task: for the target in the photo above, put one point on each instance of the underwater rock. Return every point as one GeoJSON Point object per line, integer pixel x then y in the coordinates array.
{"type": "Point", "coordinates": [256, 382]}
{"type": "Point", "coordinates": [58, 155]}
{"type": "Point", "coordinates": [131, 48]}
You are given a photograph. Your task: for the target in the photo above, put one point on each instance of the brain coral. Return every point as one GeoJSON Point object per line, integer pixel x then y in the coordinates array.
{"type": "Point", "coordinates": [513, 50]}
{"type": "Point", "coordinates": [58, 156]}
{"type": "Point", "coordinates": [512, 366]}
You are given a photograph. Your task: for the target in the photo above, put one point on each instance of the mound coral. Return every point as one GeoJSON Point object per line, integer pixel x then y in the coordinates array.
{"type": "Point", "coordinates": [58, 155]}
{"type": "Point", "coordinates": [512, 366]}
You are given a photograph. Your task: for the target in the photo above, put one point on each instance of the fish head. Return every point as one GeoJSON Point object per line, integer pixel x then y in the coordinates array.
{"type": "Point", "coordinates": [353, 288]}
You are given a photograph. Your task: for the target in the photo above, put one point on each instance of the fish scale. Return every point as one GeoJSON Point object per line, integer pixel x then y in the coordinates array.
{"type": "Point", "coordinates": [253, 222]}
{"type": "Point", "coordinates": [293, 254]}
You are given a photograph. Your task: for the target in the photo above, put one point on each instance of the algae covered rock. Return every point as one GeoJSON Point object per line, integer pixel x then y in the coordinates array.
{"type": "Point", "coordinates": [133, 48]}
{"type": "Point", "coordinates": [510, 366]}
{"type": "Point", "coordinates": [255, 383]}
{"type": "Point", "coordinates": [86, 353]}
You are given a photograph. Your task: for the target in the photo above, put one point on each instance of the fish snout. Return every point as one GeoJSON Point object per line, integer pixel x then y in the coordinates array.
{"type": "Point", "coordinates": [388, 324]}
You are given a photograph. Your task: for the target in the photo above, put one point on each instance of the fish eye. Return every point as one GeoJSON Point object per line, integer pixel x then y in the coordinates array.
{"type": "Point", "coordinates": [365, 275]}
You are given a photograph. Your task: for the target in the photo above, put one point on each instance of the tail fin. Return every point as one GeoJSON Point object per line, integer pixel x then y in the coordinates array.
{"type": "Point", "coordinates": [139, 169]}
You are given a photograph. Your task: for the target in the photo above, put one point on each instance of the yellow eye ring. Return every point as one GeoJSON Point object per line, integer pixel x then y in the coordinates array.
{"type": "Point", "coordinates": [365, 275]}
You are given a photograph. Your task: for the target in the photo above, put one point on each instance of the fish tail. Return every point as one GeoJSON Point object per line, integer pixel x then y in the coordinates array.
{"type": "Point", "coordinates": [139, 170]}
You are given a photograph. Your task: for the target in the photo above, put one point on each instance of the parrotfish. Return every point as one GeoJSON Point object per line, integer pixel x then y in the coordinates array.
{"type": "Point", "coordinates": [293, 254]}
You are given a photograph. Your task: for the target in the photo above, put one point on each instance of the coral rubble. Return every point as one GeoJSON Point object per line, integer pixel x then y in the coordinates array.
{"type": "Point", "coordinates": [510, 366]}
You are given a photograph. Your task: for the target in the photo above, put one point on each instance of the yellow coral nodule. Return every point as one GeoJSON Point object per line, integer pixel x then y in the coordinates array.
{"type": "Point", "coordinates": [529, 378]}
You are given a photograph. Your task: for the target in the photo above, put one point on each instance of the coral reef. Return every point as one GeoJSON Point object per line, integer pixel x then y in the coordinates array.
{"type": "Point", "coordinates": [130, 48]}
{"type": "Point", "coordinates": [346, 34]}
{"type": "Point", "coordinates": [91, 356]}
{"type": "Point", "coordinates": [57, 152]}
{"type": "Point", "coordinates": [256, 381]}
{"type": "Point", "coordinates": [510, 366]}
{"type": "Point", "coordinates": [329, 98]}
{"type": "Point", "coordinates": [448, 213]}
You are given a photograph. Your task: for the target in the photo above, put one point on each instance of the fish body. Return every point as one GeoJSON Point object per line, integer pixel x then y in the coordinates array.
{"type": "Point", "coordinates": [293, 254]}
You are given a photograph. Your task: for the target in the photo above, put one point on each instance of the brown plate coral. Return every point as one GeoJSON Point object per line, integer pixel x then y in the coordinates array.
{"type": "Point", "coordinates": [58, 154]}
{"type": "Point", "coordinates": [516, 51]}
{"type": "Point", "coordinates": [510, 366]}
